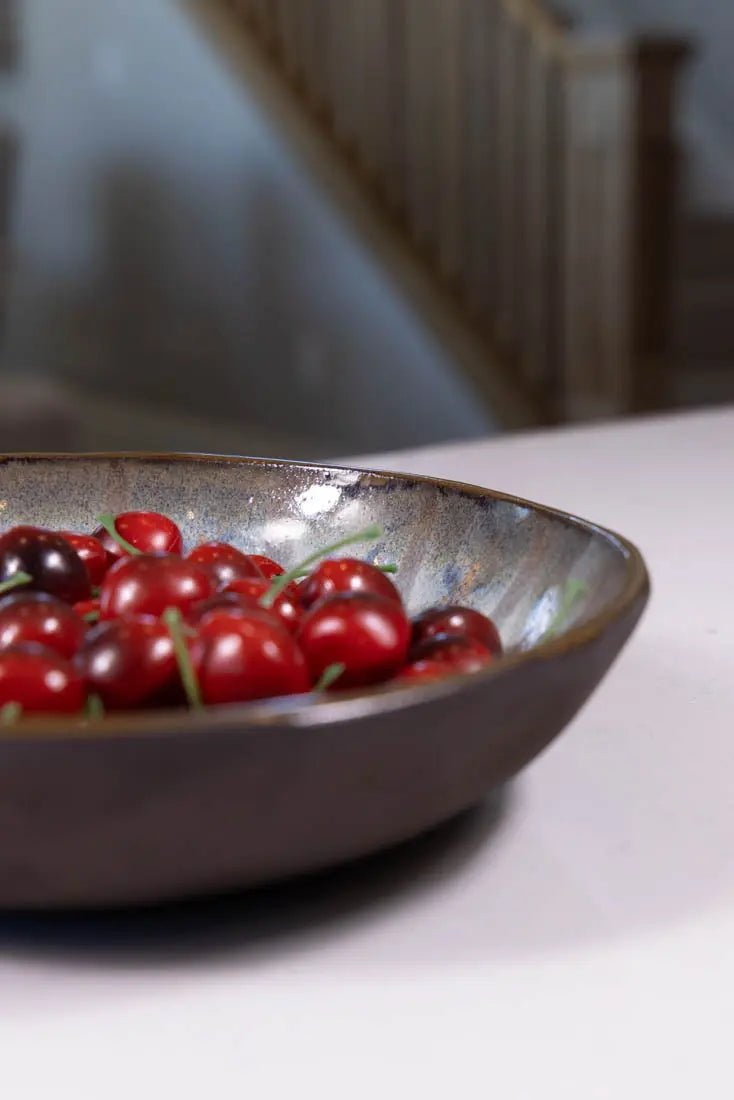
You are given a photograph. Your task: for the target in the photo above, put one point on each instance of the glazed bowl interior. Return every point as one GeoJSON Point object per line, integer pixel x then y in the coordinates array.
{"type": "Point", "coordinates": [452, 544]}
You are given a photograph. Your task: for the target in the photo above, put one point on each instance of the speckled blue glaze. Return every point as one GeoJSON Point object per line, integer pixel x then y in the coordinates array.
{"type": "Point", "coordinates": [452, 544]}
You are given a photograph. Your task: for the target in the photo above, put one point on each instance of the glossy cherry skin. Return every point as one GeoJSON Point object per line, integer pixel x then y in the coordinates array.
{"type": "Point", "coordinates": [48, 558]}
{"type": "Point", "coordinates": [149, 583]}
{"type": "Point", "coordinates": [38, 617]}
{"type": "Point", "coordinates": [86, 609]}
{"type": "Point", "coordinates": [456, 653]}
{"type": "Point", "coordinates": [345, 575]}
{"type": "Point", "coordinates": [149, 532]}
{"type": "Point", "coordinates": [92, 553]}
{"type": "Point", "coordinates": [265, 566]}
{"type": "Point", "coordinates": [239, 657]}
{"type": "Point", "coordinates": [40, 681]}
{"type": "Point", "coordinates": [223, 562]}
{"type": "Point", "coordinates": [131, 662]}
{"type": "Point", "coordinates": [286, 605]}
{"type": "Point", "coordinates": [459, 622]}
{"type": "Point", "coordinates": [366, 633]}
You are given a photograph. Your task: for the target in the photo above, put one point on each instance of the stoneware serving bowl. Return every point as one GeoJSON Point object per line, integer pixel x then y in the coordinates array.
{"type": "Point", "coordinates": [142, 807]}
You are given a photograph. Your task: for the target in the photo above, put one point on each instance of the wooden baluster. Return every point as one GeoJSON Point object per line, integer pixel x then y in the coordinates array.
{"type": "Point", "coordinates": [452, 133]}
{"type": "Point", "coordinates": [510, 140]}
{"type": "Point", "coordinates": [481, 240]}
{"type": "Point", "coordinates": [536, 202]}
{"type": "Point", "coordinates": [658, 67]}
{"type": "Point", "coordinates": [321, 40]}
{"type": "Point", "coordinates": [423, 206]}
{"type": "Point", "coordinates": [394, 123]}
{"type": "Point", "coordinates": [340, 13]}
{"type": "Point", "coordinates": [599, 107]}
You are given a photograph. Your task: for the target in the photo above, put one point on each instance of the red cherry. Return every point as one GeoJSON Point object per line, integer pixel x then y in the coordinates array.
{"type": "Point", "coordinates": [456, 653]}
{"type": "Point", "coordinates": [48, 558]}
{"type": "Point", "coordinates": [149, 583]}
{"type": "Point", "coordinates": [346, 575]}
{"type": "Point", "coordinates": [220, 601]}
{"type": "Point", "coordinates": [38, 617]}
{"type": "Point", "coordinates": [131, 663]}
{"type": "Point", "coordinates": [92, 553]}
{"type": "Point", "coordinates": [223, 562]}
{"type": "Point", "coordinates": [87, 607]}
{"type": "Point", "coordinates": [368, 634]}
{"type": "Point", "coordinates": [265, 566]}
{"type": "Point", "coordinates": [239, 657]}
{"type": "Point", "coordinates": [423, 671]}
{"type": "Point", "coordinates": [457, 622]}
{"type": "Point", "coordinates": [40, 681]}
{"type": "Point", "coordinates": [285, 606]}
{"type": "Point", "coordinates": [149, 532]}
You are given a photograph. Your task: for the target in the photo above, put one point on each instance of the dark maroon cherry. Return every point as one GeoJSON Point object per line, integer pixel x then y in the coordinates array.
{"type": "Point", "coordinates": [223, 562]}
{"type": "Point", "coordinates": [92, 553]}
{"type": "Point", "coordinates": [38, 617]}
{"type": "Point", "coordinates": [460, 654]}
{"type": "Point", "coordinates": [131, 662]}
{"type": "Point", "coordinates": [48, 559]}
{"type": "Point", "coordinates": [457, 622]}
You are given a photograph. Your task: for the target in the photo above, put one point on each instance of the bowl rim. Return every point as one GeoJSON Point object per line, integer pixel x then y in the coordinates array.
{"type": "Point", "coordinates": [304, 711]}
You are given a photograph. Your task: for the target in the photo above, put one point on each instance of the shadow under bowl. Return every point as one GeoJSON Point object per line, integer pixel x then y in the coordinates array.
{"type": "Point", "coordinates": [146, 806]}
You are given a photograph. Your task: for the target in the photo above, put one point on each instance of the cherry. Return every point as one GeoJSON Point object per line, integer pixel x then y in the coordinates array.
{"type": "Point", "coordinates": [346, 575]}
{"type": "Point", "coordinates": [286, 606]}
{"type": "Point", "coordinates": [147, 532]}
{"type": "Point", "coordinates": [458, 654]}
{"type": "Point", "coordinates": [423, 671]}
{"type": "Point", "coordinates": [457, 621]}
{"type": "Point", "coordinates": [239, 657]}
{"type": "Point", "coordinates": [88, 609]}
{"type": "Point", "coordinates": [367, 633]}
{"type": "Point", "coordinates": [48, 559]}
{"type": "Point", "coordinates": [220, 601]}
{"type": "Point", "coordinates": [38, 617]}
{"type": "Point", "coordinates": [223, 562]}
{"type": "Point", "coordinates": [92, 553]}
{"type": "Point", "coordinates": [265, 566]}
{"type": "Point", "coordinates": [39, 680]}
{"type": "Point", "coordinates": [149, 583]}
{"type": "Point", "coordinates": [130, 663]}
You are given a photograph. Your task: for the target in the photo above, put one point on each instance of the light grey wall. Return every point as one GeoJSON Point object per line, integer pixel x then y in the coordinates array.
{"type": "Point", "coordinates": [707, 116]}
{"type": "Point", "coordinates": [168, 246]}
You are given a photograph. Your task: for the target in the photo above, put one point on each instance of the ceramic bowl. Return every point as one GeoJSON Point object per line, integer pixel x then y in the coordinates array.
{"type": "Point", "coordinates": [142, 807]}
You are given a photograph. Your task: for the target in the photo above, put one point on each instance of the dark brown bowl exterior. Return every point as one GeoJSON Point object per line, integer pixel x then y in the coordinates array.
{"type": "Point", "coordinates": [140, 808]}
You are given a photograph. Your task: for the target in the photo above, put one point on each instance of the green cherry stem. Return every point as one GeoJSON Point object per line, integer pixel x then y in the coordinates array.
{"type": "Point", "coordinates": [94, 707]}
{"type": "Point", "coordinates": [15, 581]}
{"type": "Point", "coordinates": [91, 616]}
{"type": "Point", "coordinates": [571, 592]}
{"type": "Point", "coordinates": [10, 713]}
{"type": "Point", "coordinates": [172, 619]}
{"type": "Point", "coordinates": [391, 567]}
{"type": "Point", "coordinates": [329, 676]}
{"type": "Point", "coordinates": [368, 534]}
{"type": "Point", "coordinates": [107, 520]}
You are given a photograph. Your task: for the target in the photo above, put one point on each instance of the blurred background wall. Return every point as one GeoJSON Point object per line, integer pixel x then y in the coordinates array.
{"type": "Point", "coordinates": [166, 249]}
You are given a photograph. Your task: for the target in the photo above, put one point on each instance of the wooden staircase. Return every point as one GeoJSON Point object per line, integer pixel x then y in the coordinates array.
{"type": "Point", "coordinates": [518, 179]}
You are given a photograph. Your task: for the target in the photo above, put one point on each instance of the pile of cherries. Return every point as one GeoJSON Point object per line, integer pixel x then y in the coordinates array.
{"type": "Point", "coordinates": [124, 619]}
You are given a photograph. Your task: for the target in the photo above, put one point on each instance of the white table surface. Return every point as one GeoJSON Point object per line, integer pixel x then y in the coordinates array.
{"type": "Point", "coordinates": [574, 941]}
